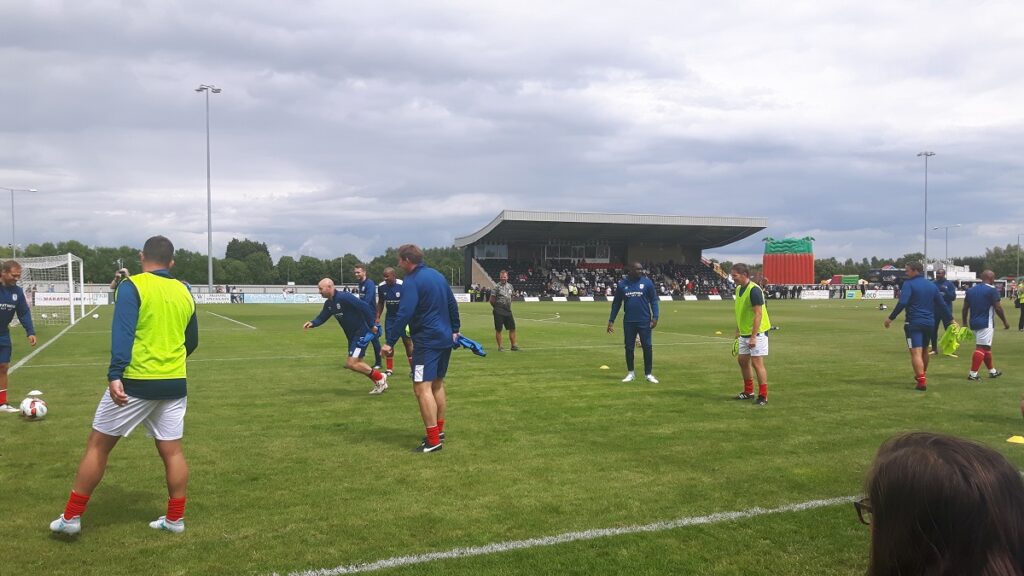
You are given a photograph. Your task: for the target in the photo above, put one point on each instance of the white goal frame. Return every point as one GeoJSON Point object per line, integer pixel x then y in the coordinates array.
{"type": "Point", "coordinates": [74, 287]}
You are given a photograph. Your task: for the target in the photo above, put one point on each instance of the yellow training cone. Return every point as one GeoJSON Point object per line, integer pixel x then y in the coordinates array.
{"type": "Point", "coordinates": [718, 332]}
{"type": "Point", "coordinates": [603, 367]}
{"type": "Point", "coordinates": [1015, 439]}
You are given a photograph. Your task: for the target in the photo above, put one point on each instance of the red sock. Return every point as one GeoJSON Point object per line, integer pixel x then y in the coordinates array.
{"type": "Point", "coordinates": [3, 396]}
{"type": "Point", "coordinates": [440, 425]}
{"type": "Point", "coordinates": [375, 375]}
{"type": "Point", "coordinates": [922, 381]}
{"type": "Point", "coordinates": [433, 435]}
{"type": "Point", "coordinates": [976, 360]}
{"type": "Point", "coordinates": [988, 359]}
{"type": "Point", "coordinates": [75, 506]}
{"type": "Point", "coordinates": [748, 386]}
{"type": "Point", "coordinates": [762, 390]}
{"type": "Point", "coordinates": [390, 363]}
{"type": "Point", "coordinates": [175, 509]}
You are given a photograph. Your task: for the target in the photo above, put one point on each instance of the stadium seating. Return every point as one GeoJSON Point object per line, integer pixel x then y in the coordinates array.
{"type": "Point", "coordinates": [566, 278]}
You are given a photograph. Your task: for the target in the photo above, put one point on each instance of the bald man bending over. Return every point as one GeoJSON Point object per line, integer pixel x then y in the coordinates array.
{"type": "Point", "coordinates": [356, 319]}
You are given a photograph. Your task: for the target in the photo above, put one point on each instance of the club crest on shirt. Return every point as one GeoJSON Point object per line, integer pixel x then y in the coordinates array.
{"type": "Point", "coordinates": [14, 297]}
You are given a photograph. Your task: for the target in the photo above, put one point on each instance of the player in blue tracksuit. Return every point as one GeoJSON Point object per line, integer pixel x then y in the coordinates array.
{"type": "Point", "coordinates": [356, 319]}
{"type": "Point", "coordinates": [921, 299]}
{"type": "Point", "coordinates": [637, 294]}
{"type": "Point", "coordinates": [368, 294]}
{"type": "Point", "coordinates": [428, 307]}
{"type": "Point", "coordinates": [12, 303]}
{"type": "Point", "coordinates": [389, 295]}
{"type": "Point", "coordinates": [948, 292]}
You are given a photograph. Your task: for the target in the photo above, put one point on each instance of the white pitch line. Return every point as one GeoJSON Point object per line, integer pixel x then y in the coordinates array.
{"type": "Point", "coordinates": [21, 362]}
{"type": "Point", "coordinates": [570, 537]}
{"type": "Point", "coordinates": [231, 320]}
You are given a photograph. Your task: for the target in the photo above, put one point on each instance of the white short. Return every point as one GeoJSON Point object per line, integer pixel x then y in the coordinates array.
{"type": "Point", "coordinates": [163, 419]}
{"type": "Point", "coordinates": [983, 336]}
{"type": "Point", "coordinates": [760, 350]}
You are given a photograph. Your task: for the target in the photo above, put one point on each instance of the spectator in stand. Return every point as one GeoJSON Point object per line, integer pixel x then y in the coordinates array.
{"type": "Point", "coordinates": [942, 505]}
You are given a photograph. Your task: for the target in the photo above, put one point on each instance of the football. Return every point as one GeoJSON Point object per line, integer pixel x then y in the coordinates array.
{"type": "Point", "coordinates": [33, 408]}
{"type": "Point", "coordinates": [95, 315]}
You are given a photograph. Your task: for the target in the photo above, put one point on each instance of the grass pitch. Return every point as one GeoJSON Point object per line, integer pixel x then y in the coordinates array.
{"type": "Point", "coordinates": [295, 467]}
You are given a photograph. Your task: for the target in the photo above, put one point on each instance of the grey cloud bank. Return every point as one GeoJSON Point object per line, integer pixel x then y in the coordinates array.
{"type": "Point", "coordinates": [353, 127]}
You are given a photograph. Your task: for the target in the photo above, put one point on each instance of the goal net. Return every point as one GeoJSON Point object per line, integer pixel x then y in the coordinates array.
{"type": "Point", "coordinates": [55, 288]}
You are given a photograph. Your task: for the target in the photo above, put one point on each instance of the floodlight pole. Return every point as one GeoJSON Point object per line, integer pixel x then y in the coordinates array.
{"type": "Point", "coordinates": [926, 155]}
{"type": "Point", "coordinates": [206, 89]}
{"type": "Point", "coordinates": [14, 245]}
{"type": "Point", "coordinates": [947, 237]}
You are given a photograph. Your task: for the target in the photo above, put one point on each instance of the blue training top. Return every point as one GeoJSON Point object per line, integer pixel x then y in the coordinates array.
{"type": "Point", "coordinates": [640, 298]}
{"type": "Point", "coordinates": [13, 302]}
{"type": "Point", "coordinates": [981, 301]}
{"type": "Point", "coordinates": [948, 291]}
{"type": "Point", "coordinates": [353, 315]}
{"type": "Point", "coordinates": [429, 308]}
{"type": "Point", "coordinates": [922, 300]}
{"type": "Point", "coordinates": [368, 293]}
{"type": "Point", "coordinates": [391, 296]}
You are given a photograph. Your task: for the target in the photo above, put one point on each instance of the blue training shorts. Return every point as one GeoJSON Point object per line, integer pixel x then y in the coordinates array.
{"type": "Point", "coordinates": [630, 331]}
{"type": "Point", "coordinates": [5, 349]}
{"type": "Point", "coordinates": [354, 350]}
{"type": "Point", "coordinates": [429, 364]}
{"type": "Point", "coordinates": [390, 328]}
{"type": "Point", "coordinates": [917, 336]}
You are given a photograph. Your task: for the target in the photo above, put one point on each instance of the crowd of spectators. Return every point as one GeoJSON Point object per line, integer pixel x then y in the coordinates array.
{"type": "Point", "coordinates": [567, 278]}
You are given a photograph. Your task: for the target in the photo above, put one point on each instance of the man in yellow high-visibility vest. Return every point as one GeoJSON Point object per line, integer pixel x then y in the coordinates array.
{"type": "Point", "coordinates": [752, 326]}
{"type": "Point", "coordinates": [154, 329]}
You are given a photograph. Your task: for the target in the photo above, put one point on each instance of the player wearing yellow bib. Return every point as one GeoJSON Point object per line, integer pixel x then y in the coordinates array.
{"type": "Point", "coordinates": [752, 326]}
{"type": "Point", "coordinates": [154, 329]}
{"type": "Point", "coordinates": [1020, 304]}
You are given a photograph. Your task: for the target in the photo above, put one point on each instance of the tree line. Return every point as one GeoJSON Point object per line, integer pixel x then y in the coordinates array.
{"type": "Point", "coordinates": [248, 262]}
{"type": "Point", "coordinates": [245, 262]}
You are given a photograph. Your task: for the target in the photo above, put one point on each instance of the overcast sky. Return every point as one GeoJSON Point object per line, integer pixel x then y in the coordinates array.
{"type": "Point", "coordinates": [353, 126]}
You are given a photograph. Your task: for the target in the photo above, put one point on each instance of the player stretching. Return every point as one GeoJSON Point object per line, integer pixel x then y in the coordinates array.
{"type": "Point", "coordinates": [981, 300]}
{"type": "Point", "coordinates": [639, 319]}
{"type": "Point", "coordinates": [389, 294]}
{"type": "Point", "coordinates": [428, 307]}
{"type": "Point", "coordinates": [356, 319]}
{"type": "Point", "coordinates": [368, 294]}
{"type": "Point", "coordinates": [12, 301]}
{"type": "Point", "coordinates": [921, 299]}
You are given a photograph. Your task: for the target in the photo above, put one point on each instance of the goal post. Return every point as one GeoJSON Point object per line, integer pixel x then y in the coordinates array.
{"type": "Point", "coordinates": [55, 287]}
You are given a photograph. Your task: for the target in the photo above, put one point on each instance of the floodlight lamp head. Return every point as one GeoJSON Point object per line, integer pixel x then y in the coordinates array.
{"type": "Point", "coordinates": [215, 90]}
